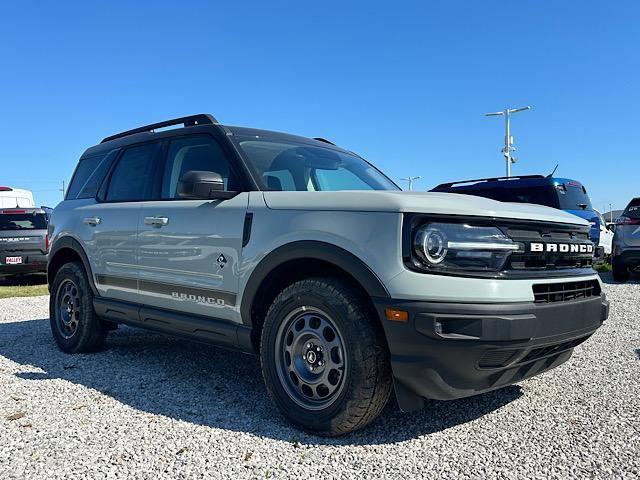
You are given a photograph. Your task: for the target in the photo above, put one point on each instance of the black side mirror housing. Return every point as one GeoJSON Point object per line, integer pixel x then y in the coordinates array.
{"type": "Point", "coordinates": [200, 184]}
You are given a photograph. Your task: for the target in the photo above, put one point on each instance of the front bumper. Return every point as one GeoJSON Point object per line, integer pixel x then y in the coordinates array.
{"type": "Point", "coordinates": [452, 350]}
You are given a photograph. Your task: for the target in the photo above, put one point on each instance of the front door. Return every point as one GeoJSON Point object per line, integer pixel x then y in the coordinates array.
{"type": "Point", "coordinates": [189, 250]}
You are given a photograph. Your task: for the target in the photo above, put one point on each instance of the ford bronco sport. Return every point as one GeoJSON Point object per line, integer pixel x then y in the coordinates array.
{"type": "Point", "coordinates": [23, 241]}
{"type": "Point", "coordinates": [305, 254]}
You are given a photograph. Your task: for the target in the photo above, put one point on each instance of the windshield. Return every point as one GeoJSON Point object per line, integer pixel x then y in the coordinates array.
{"type": "Point", "coordinates": [281, 164]}
{"type": "Point", "coordinates": [23, 221]}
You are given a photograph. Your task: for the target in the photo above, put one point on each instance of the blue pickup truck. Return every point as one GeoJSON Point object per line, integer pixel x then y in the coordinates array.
{"type": "Point", "coordinates": [562, 193]}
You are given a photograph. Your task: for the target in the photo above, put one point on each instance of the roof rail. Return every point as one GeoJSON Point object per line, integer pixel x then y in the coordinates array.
{"type": "Point", "coordinates": [492, 179]}
{"type": "Point", "coordinates": [324, 140]}
{"type": "Point", "coordinates": [190, 121]}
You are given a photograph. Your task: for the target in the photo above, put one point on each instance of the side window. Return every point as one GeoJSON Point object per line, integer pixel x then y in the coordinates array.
{"type": "Point", "coordinates": [84, 170]}
{"type": "Point", "coordinates": [90, 188]}
{"type": "Point", "coordinates": [195, 153]}
{"type": "Point", "coordinates": [132, 178]}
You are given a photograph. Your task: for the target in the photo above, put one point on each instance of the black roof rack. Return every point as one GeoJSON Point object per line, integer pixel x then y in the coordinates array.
{"type": "Point", "coordinates": [190, 121]}
{"type": "Point", "coordinates": [324, 140]}
{"type": "Point", "coordinates": [493, 179]}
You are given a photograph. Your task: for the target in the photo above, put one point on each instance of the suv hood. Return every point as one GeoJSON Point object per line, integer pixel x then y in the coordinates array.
{"type": "Point", "coordinates": [415, 202]}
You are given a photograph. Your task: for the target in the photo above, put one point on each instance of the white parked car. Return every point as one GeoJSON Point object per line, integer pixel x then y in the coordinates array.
{"type": "Point", "coordinates": [16, 198]}
{"type": "Point", "coordinates": [606, 235]}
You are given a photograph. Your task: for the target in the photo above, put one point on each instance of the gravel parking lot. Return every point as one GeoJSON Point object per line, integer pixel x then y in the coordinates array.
{"type": "Point", "coordinates": [151, 406]}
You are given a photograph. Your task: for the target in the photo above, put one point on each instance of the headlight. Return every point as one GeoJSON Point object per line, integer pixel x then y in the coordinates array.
{"type": "Point", "coordinates": [453, 246]}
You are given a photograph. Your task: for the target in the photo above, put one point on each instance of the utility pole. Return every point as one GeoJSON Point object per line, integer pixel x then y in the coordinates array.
{"type": "Point", "coordinates": [62, 189]}
{"type": "Point", "coordinates": [508, 139]}
{"type": "Point", "coordinates": [410, 180]}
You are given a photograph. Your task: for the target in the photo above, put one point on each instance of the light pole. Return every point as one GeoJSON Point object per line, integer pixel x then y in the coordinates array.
{"type": "Point", "coordinates": [508, 139]}
{"type": "Point", "coordinates": [610, 214]}
{"type": "Point", "coordinates": [410, 180]}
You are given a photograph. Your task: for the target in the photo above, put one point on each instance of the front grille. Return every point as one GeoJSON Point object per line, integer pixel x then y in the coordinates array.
{"type": "Point", "coordinates": [496, 358]}
{"type": "Point", "coordinates": [565, 292]}
{"type": "Point", "coordinates": [507, 357]}
{"type": "Point", "coordinates": [537, 353]}
{"type": "Point", "coordinates": [529, 260]}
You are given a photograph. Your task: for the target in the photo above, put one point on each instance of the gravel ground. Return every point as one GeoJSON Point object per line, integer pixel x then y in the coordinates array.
{"type": "Point", "coordinates": [150, 406]}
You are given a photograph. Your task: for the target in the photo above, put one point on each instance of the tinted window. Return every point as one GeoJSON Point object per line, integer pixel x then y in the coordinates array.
{"type": "Point", "coordinates": [132, 179]}
{"type": "Point", "coordinates": [23, 221]}
{"type": "Point", "coordinates": [84, 170]}
{"type": "Point", "coordinates": [573, 196]}
{"type": "Point", "coordinates": [543, 195]}
{"type": "Point", "coordinates": [286, 164]}
{"type": "Point", "coordinates": [195, 153]}
{"type": "Point", "coordinates": [90, 188]}
{"type": "Point", "coordinates": [633, 209]}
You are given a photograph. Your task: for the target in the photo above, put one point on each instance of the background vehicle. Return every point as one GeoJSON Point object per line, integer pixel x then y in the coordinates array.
{"type": "Point", "coordinates": [606, 234]}
{"type": "Point", "coordinates": [561, 193]}
{"type": "Point", "coordinates": [625, 258]}
{"type": "Point", "coordinates": [24, 241]}
{"type": "Point", "coordinates": [16, 198]}
{"type": "Point", "coordinates": [304, 253]}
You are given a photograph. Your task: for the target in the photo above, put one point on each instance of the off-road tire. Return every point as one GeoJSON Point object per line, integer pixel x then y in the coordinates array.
{"type": "Point", "coordinates": [90, 333]}
{"type": "Point", "coordinates": [367, 377]}
{"type": "Point", "coordinates": [620, 272]}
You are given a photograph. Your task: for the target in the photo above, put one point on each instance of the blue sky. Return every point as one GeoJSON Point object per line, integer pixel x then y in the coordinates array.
{"type": "Point", "coordinates": [404, 84]}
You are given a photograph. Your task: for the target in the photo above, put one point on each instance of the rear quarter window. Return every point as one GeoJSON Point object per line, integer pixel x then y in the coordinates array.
{"type": "Point", "coordinates": [84, 171]}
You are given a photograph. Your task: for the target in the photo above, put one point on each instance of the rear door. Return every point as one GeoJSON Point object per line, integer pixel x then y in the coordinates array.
{"type": "Point", "coordinates": [110, 226]}
{"type": "Point", "coordinates": [188, 250]}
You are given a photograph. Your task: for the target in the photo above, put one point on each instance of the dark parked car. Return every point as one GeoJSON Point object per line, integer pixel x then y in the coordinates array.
{"type": "Point", "coordinates": [561, 193]}
{"type": "Point", "coordinates": [626, 242]}
{"type": "Point", "coordinates": [24, 242]}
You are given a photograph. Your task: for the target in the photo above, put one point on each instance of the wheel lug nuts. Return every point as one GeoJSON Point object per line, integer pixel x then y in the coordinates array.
{"type": "Point", "coordinates": [320, 363]}
{"type": "Point", "coordinates": [309, 345]}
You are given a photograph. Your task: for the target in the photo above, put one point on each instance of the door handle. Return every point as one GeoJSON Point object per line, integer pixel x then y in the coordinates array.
{"type": "Point", "coordinates": [156, 221]}
{"type": "Point", "coordinates": [93, 221]}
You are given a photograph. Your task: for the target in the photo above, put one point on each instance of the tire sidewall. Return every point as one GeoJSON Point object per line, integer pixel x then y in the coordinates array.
{"type": "Point", "coordinates": [87, 320]}
{"type": "Point", "coordinates": [339, 312]}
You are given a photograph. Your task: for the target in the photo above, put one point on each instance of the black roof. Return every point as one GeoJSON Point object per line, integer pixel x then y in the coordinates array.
{"type": "Point", "coordinates": [199, 122]}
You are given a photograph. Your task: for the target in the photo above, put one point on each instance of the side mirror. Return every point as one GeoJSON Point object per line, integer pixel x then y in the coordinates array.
{"type": "Point", "coordinates": [200, 184]}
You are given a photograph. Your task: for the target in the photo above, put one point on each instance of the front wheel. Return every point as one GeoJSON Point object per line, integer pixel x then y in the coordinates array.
{"type": "Point", "coordinates": [324, 359]}
{"type": "Point", "coordinates": [74, 324]}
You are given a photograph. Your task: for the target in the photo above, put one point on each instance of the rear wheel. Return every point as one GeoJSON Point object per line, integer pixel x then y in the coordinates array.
{"type": "Point", "coordinates": [74, 324]}
{"type": "Point", "coordinates": [324, 360]}
{"type": "Point", "coordinates": [620, 271]}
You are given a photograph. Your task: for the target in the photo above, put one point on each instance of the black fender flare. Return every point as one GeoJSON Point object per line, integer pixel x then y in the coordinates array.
{"type": "Point", "coordinates": [70, 243]}
{"type": "Point", "coordinates": [316, 250]}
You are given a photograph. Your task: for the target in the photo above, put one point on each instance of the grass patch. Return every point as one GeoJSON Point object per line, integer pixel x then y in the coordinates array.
{"type": "Point", "coordinates": [27, 286]}
{"type": "Point", "coordinates": [603, 267]}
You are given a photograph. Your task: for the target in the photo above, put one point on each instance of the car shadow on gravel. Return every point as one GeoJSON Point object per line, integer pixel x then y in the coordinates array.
{"type": "Point", "coordinates": [23, 280]}
{"type": "Point", "coordinates": [607, 277]}
{"type": "Point", "coordinates": [208, 386]}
